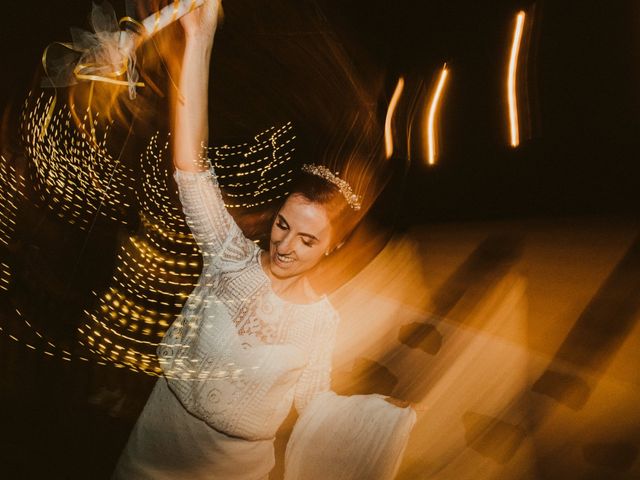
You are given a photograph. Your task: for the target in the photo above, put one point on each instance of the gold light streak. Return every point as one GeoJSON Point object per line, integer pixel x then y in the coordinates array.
{"type": "Point", "coordinates": [75, 177]}
{"type": "Point", "coordinates": [11, 191]}
{"type": "Point", "coordinates": [155, 269]}
{"type": "Point", "coordinates": [388, 129]}
{"type": "Point", "coordinates": [64, 354]}
{"type": "Point", "coordinates": [514, 128]}
{"type": "Point", "coordinates": [433, 109]}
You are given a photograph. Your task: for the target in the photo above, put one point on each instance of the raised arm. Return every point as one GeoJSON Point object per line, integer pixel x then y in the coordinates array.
{"type": "Point", "coordinates": [211, 225]}
{"type": "Point", "coordinates": [191, 121]}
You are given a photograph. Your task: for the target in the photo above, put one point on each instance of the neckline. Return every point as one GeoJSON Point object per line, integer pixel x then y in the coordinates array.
{"type": "Point", "coordinates": [323, 298]}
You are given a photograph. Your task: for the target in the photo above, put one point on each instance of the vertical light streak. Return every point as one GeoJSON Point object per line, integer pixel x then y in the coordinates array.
{"type": "Point", "coordinates": [511, 81]}
{"type": "Point", "coordinates": [433, 108]}
{"type": "Point", "coordinates": [388, 130]}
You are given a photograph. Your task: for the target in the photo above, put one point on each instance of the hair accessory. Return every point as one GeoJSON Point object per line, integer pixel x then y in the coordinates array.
{"type": "Point", "coordinates": [321, 171]}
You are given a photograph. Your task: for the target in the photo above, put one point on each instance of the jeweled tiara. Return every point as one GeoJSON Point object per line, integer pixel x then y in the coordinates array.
{"type": "Point", "coordinates": [321, 171]}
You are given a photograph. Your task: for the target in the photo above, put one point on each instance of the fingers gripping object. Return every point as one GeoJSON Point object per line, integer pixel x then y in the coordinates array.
{"type": "Point", "coordinates": [169, 14]}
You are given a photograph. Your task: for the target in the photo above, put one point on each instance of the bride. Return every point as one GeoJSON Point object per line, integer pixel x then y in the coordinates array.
{"type": "Point", "coordinates": [254, 337]}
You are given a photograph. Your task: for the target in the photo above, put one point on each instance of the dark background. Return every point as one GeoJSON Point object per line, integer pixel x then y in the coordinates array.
{"type": "Point", "coordinates": [579, 158]}
{"type": "Point", "coordinates": [582, 79]}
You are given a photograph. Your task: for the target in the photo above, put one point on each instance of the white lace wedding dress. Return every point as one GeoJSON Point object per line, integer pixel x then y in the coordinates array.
{"type": "Point", "coordinates": [236, 359]}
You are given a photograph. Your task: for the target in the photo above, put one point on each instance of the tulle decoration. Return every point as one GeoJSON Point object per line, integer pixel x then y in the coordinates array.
{"type": "Point", "coordinates": [106, 55]}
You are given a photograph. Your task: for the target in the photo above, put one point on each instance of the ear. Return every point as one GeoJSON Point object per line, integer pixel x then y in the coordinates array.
{"type": "Point", "coordinates": [329, 252]}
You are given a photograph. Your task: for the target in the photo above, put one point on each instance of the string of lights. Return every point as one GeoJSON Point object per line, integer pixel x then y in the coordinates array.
{"type": "Point", "coordinates": [11, 186]}
{"type": "Point", "coordinates": [158, 266]}
{"type": "Point", "coordinates": [74, 176]}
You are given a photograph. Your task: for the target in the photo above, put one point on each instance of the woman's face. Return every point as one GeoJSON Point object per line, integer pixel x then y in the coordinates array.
{"type": "Point", "coordinates": [300, 236]}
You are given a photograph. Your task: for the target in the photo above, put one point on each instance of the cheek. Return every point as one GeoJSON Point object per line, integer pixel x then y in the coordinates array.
{"type": "Point", "coordinates": [311, 256]}
{"type": "Point", "coordinates": [276, 234]}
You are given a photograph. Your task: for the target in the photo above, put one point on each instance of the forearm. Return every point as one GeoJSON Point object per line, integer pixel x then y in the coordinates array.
{"type": "Point", "coordinates": [191, 122]}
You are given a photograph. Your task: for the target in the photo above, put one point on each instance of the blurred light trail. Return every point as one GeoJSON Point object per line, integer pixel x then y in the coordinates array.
{"type": "Point", "coordinates": [388, 131]}
{"type": "Point", "coordinates": [433, 108]}
{"type": "Point", "coordinates": [511, 80]}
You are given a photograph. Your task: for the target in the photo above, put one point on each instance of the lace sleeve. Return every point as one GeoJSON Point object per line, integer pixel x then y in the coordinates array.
{"type": "Point", "coordinates": [316, 376]}
{"type": "Point", "coordinates": [213, 228]}
{"type": "Point", "coordinates": [338, 437]}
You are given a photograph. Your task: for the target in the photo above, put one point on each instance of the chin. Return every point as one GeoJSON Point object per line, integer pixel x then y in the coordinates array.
{"type": "Point", "coordinates": [281, 273]}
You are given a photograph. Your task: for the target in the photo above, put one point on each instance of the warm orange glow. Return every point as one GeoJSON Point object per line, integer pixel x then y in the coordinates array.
{"type": "Point", "coordinates": [511, 81]}
{"type": "Point", "coordinates": [388, 131]}
{"type": "Point", "coordinates": [433, 109]}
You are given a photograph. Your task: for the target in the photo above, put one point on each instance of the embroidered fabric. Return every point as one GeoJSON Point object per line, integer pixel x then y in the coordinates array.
{"type": "Point", "coordinates": [238, 355]}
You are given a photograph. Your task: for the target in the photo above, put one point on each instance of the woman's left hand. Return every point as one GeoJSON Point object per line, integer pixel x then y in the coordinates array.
{"type": "Point", "coordinates": [201, 23]}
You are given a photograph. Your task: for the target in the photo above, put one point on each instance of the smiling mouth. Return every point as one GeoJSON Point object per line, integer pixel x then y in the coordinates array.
{"type": "Point", "coordinates": [283, 258]}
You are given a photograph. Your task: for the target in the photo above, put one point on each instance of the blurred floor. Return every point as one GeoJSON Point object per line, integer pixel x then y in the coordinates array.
{"type": "Point", "coordinates": [521, 336]}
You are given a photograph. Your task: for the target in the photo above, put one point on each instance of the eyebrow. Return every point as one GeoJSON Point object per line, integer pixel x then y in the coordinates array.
{"type": "Point", "coordinates": [308, 235]}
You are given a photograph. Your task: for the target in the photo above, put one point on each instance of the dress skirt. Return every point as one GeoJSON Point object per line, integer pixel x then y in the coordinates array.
{"type": "Point", "coordinates": [167, 442]}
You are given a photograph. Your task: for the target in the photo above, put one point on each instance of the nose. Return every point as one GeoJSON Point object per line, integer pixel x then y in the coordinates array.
{"type": "Point", "coordinates": [285, 245]}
